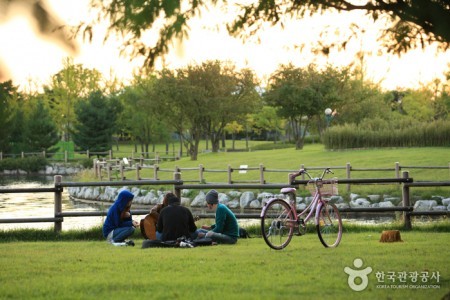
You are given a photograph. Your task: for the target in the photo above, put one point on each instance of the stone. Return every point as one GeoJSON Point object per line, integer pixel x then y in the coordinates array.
{"type": "Point", "coordinates": [246, 198]}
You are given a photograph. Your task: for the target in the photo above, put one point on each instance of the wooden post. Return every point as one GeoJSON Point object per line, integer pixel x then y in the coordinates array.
{"type": "Point", "coordinates": [58, 204]}
{"type": "Point", "coordinates": [65, 156]}
{"type": "Point", "coordinates": [138, 167]}
{"type": "Point", "coordinates": [405, 196]}
{"type": "Point", "coordinates": [200, 172]}
{"type": "Point", "coordinates": [348, 170]}
{"type": "Point", "coordinates": [122, 176]}
{"type": "Point", "coordinates": [261, 174]}
{"type": "Point", "coordinates": [43, 154]}
{"type": "Point", "coordinates": [23, 154]}
{"type": "Point", "coordinates": [303, 175]}
{"type": "Point", "coordinates": [110, 154]}
{"type": "Point", "coordinates": [177, 190]}
{"type": "Point", "coordinates": [397, 170]}
{"type": "Point", "coordinates": [87, 154]}
{"type": "Point", "coordinates": [155, 172]}
{"type": "Point", "coordinates": [108, 171]}
{"type": "Point", "coordinates": [1, 157]}
{"type": "Point", "coordinates": [229, 174]}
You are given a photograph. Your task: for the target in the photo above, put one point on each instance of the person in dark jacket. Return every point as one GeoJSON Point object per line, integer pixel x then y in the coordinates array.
{"type": "Point", "coordinates": [119, 224]}
{"type": "Point", "coordinates": [175, 221]}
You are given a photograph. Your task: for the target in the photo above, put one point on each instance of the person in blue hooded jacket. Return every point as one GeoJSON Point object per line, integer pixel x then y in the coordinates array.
{"type": "Point", "coordinates": [119, 224]}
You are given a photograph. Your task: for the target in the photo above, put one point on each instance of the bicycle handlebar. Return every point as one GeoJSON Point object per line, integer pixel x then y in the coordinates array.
{"type": "Point", "coordinates": [304, 171]}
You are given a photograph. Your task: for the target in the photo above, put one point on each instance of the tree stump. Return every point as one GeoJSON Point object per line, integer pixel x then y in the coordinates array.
{"type": "Point", "coordinates": [389, 236]}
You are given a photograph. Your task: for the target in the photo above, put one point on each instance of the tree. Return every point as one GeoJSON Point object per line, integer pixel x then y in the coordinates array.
{"type": "Point", "coordinates": [41, 132]}
{"type": "Point", "coordinates": [268, 120]}
{"type": "Point", "coordinates": [67, 88]}
{"type": "Point", "coordinates": [413, 23]}
{"type": "Point", "coordinates": [7, 93]}
{"type": "Point", "coordinates": [96, 122]}
{"type": "Point", "coordinates": [300, 95]}
{"type": "Point", "coordinates": [142, 112]}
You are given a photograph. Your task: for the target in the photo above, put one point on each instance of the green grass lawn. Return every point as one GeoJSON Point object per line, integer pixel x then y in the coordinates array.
{"type": "Point", "coordinates": [280, 162]}
{"type": "Point", "coordinates": [248, 270]}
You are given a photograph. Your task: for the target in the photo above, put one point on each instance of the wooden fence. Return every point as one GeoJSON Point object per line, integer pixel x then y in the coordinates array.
{"type": "Point", "coordinates": [178, 185]}
{"type": "Point", "coordinates": [111, 170]}
{"type": "Point", "coordinates": [66, 156]}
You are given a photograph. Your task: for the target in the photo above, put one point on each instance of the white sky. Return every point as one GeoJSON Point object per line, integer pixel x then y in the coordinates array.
{"type": "Point", "coordinates": [32, 59]}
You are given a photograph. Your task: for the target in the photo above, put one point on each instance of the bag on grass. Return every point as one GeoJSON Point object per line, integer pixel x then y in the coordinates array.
{"type": "Point", "coordinates": [243, 233]}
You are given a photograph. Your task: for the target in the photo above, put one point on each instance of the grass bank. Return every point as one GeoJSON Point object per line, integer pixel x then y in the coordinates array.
{"type": "Point", "coordinates": [93, 269]}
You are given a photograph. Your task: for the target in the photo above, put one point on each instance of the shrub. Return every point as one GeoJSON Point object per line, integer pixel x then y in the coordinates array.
{"type": "Point", "coordinates": [29, 164]}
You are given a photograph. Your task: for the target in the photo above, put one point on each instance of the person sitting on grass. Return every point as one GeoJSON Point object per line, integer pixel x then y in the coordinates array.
{"type": "Point", "coordinates": [119, 224]}
{"type": "Point", "coordinates": [226, 228]}
{"type": "Point", "coordinates": [149, 222]}
{"type": "Point", "coordinates": [175, 221]}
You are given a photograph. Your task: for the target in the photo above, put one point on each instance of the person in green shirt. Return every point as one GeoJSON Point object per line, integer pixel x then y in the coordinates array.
{"type": "Point", "coordinates": [226, 228]}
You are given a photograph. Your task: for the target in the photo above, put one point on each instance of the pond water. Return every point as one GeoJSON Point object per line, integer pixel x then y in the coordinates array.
{"type": "Point", "coordinates": [33, 205]}
{"type": "Point", "coordinates": [29, 205]}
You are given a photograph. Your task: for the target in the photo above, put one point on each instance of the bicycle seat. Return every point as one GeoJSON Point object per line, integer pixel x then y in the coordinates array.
{"type": "Point", "coordinates": [287, 190]}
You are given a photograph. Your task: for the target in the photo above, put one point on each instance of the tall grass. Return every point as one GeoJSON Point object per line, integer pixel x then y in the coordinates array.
{"type": "Point", "coordinates": [435, 134]}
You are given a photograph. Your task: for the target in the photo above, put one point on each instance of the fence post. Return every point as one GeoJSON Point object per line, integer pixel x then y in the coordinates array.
{"type": "Point", "coordinates": [397, 170]}
{"type": "Point", "coordinates": [108, 171]}
{"type": "Point", "coordinates": [405, 196]}
{"type": "Point", "coordinates": [122, 177]}
{"type": "Point", "coordinates": [155, 172]}
{"type": "Point", "coordinates": [87, 154]}
{"type": "Point", "coordinates": [229, 174]}
{"type": "Point", "coordinates": [23, 154]}
{"type": "Point", "coordinates": [348, 171]}
{"type": "Point", "coordinates": [43, 154]}
{"type": "Point", "coordinates": [1, 157]}
{"type": "Point", "coordinates": [200, 172]}
{"type": "Point", "coordinates": [261, 174]}
{"type": "Point", "coordinates": [110, 154]}
{"type": "Point", "coordinates": [58, 204]}
{"type": "Point", "coordinates": [65, 156]}
{"type": "Point", "coordinates": [94, 165]}
{"type": "Point", "coordinates": [176, 188]}
{"type": "Point", "coordinates": [138, 167]}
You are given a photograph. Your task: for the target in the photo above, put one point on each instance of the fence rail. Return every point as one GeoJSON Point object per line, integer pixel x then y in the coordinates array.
{"type": "Point", "coordinates": [66, 156]}
{"type": "Point", "coordinates": [178, 185]}
{"type": "Point", "coordinates": [104, 171]}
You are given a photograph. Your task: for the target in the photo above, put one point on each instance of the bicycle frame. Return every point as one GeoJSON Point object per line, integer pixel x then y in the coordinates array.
{"type": "Point", "coordinates": [279, 217]}
{"type": "Point", "coordinates": [310, 209]}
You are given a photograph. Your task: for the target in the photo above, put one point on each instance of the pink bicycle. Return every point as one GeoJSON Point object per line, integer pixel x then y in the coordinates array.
{"type": "Point", "coordinates": [279, 218]}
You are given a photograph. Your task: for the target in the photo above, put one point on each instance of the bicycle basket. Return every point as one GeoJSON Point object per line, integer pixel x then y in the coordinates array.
{"type": "Point", "coordinates": [327, 188]}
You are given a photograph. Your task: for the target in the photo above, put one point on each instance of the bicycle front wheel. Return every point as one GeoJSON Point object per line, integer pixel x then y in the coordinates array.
{"type": "Point", "coordinates": [277, 224]}
{"type": "Point", "coordinates": [329, 224]}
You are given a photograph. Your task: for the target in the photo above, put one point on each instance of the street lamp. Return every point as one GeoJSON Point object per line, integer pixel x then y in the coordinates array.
{"type": "Point", "coordinates": [329, 115]}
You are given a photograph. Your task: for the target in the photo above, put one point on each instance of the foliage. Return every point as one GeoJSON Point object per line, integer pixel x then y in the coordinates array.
{"type": "Point", "coordinates": [96, 124]}
{"type": "Point", "coordinates": [384, 134]}
{"type": "Point", "coordinates": [203, 99]}
{"type": "Point", "coordinates": [141, 117]}
{"type": "Point", "coordinates": [29, 164]}
{"type": "Point", "coordinates": [405, 26]}
{"type": "Point", "coordinates": [40, 131]}
{"type": "Point", "coordinates": [69, 86]}
{"type": "Point", "coordinates": [7, 94]}
{"type": "Point", "coordinates": [300, 94]}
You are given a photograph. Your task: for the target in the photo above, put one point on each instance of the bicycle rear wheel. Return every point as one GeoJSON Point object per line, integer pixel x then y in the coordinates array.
{"type": "Point", "coordinates": [329, 224]}
{"type": "Point", "coordinates": [277, 224]}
